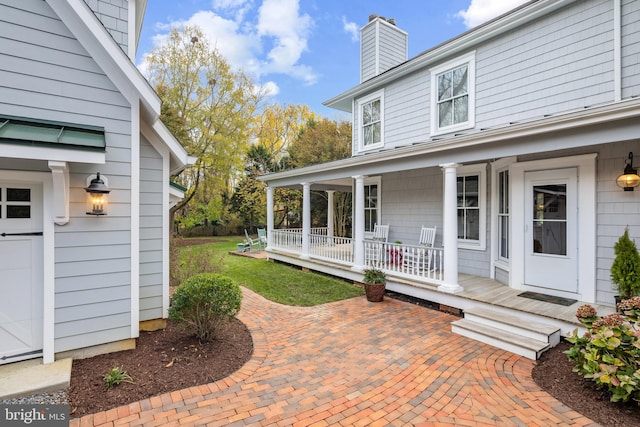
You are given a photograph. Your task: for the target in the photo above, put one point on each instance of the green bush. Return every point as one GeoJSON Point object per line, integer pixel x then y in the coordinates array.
{"type": "Point", "coordinates": [625, 270]}
{"type": "Point", "coordinates": [609, 352]}
{"type": "Point", "coordinates": [186, 260]}
{"type": "Point", "coordinates": [205, 302]}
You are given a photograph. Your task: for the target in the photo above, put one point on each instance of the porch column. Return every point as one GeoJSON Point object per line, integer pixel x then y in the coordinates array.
{"type": "Point", "coordinates": [450, 230]}
{"type": "Point", "coordinates": [306, 218]}
{"type": "Point", "coordinates": [358, 225]}
{"type": "Point", "coordinates": [269, 217]}
{"type": "Point", "coordinates": [330, 215]}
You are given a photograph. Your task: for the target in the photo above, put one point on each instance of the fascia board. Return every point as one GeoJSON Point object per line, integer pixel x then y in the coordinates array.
{"type": "Point", "coordinates": [179, 156]}
{"type": "Point", "coordinates": [588, 117]}
{"type": "Point", "coordinates": [449, 49]}
{"type": "Point", "coordinates": [95, 38]}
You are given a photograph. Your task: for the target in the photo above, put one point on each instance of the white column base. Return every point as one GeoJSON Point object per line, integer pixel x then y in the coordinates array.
{"type": "Point", "coordinates": [451, 288]}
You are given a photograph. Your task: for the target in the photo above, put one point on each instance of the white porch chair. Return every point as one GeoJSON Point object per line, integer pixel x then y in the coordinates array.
{"type": "Point", "coordinates": [374, 248]}
{"type": "Point", "coordinates": [424, 259]}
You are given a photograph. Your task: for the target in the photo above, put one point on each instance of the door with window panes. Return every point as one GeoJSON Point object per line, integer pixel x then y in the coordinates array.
{"type": "Point", "coordinates": [21, 271]}
{"type": "Point", "coordinates": [551, 229]}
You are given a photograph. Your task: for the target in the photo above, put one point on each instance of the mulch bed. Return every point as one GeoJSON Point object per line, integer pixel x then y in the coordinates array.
{"type": "Point", "coordinates": [163, 361]}
{"type": "Point", "coordinates": [554, 374]}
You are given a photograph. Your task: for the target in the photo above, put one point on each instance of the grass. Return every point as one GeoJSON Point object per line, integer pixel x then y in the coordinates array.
{"type": "Point", "coordinates": [278, 282]}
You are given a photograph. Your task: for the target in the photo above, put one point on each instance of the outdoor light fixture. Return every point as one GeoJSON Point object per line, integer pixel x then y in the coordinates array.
{"type": "Point", "coordinates": [629, 179]}
{"type": "Point", "coordinates": [97, 196]}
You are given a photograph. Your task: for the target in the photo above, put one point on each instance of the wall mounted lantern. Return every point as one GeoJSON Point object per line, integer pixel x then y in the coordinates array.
{"type": "Point", "coordinates": [629, 179]}
{"type": "Point", "coordinates": [97, 196]}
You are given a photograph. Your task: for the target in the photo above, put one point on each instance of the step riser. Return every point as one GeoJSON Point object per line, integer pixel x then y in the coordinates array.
{"type": "Point", "coordinates": [529, 354]}
{"type": "Point", "coordinates": [514, 329]}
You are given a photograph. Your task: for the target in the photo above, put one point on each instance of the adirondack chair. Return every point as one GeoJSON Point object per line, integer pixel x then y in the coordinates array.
{"type": "Point", "coordinates": [262, 236]}
{"type": "Point", "coordinates": [373, 245]}
{"type": "Point", "coordinates": [424, 257]}
{"type": "Point", "coordinates": [250, 243]}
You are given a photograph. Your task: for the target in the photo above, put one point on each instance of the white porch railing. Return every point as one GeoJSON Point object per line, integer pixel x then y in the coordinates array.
{"type": "Point", "coordinates": [314, 230]}
{"type": "Point", "coordinates": [287, 239]}
{"type": "Point", "coordinates": [410, 261]}
{"type": "Point", "coordinates": [405, 260]}
{"type": "Point", "coordinates": [337, 249]}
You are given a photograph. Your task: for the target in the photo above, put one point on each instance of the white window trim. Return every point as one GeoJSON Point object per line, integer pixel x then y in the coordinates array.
{"type": "Point", "coordinates": [375, 180]}
{"type": "Point", "coordinates": [481, 171]}
{"type": "Point", "coordinates": [371, 97]}
{"type": "Point", "coordinates": [470, 59]}
{"type": "Point", "coordinates": [498, 166]}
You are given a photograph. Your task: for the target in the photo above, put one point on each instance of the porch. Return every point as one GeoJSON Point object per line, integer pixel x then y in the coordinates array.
{"type": "Point", "coordinates": [409, 274]}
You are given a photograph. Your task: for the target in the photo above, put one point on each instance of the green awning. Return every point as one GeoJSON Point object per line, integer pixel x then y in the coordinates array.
{"type": "Point", "coordinates": [177, 186]}
{"type": "Point", "coordinates": [43, 133]}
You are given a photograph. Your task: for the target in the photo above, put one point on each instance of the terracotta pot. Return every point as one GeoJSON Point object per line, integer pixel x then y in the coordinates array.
{"type": "Point", "coordinates": [374, 291]}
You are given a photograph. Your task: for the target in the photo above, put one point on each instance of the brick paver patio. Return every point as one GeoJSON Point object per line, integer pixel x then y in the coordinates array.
{"type": "Point", "coordinates": [355, 363]}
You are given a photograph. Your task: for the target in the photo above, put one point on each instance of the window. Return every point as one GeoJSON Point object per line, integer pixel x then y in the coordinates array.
{"type": "Point", "coordinates": [370, 206]}
{"type": "Point", "coordinates": [471, 195]}
{"type": "Point", "coordinates": [371, 113]}
{"type": "Point", "coordinates": [468, 208]}
{"type": "Point", "coordinates": [503, 215]}
{"type": "Point", "coordinates": [452, 95]}
{"type": "Point", "coordinates": [17, 203]}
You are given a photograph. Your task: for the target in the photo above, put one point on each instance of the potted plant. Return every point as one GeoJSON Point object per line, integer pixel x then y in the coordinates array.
{"type": "Point", "coordinates": [625, 270]}
{"type": "Point", "coordinates": [375, 282]}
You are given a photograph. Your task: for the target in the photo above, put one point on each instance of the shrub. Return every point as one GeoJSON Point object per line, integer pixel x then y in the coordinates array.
{"type": "Point", "coordinates": [185, 260]}
{"type": "Point", "coordinates": [609, 352]}
{"type": "Point", "coordinates": [625, 270]}
{"type": "Point", "coordinates": [205, 302]}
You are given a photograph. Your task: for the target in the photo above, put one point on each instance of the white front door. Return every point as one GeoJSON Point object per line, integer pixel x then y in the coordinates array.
{"type": "Point", "coordinates": [551, 230]}
{"type": "Point", "coordinates": [21, 271]}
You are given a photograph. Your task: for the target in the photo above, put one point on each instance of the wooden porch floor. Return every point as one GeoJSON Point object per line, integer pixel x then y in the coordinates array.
{"type": "Point", "coordinates": [492, 292]}
{"type": "Point", "coordinates": [480, 289]}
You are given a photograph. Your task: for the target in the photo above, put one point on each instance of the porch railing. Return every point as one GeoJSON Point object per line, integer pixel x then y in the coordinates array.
{"type": "Point", "coordinates": [410, 261]}
{"type": "Point", "coordinates": [287, 239]}
{"type": "Point", "coordinates": [338, 249]}
{"type": "Point", "coordinates": [405, 260]}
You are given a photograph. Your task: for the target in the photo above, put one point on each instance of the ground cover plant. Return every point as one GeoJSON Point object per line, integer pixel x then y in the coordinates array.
{"type": "Point", "coordinates": [609, 352]}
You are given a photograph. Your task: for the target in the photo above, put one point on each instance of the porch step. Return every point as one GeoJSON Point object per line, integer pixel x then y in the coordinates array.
{"type": "Point", "coordinates": [524, 337]}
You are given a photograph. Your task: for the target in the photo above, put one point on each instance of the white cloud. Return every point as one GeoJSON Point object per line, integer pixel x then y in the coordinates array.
{"type": "Point", "coordinates": [269, 40]}
{"type": "Point", "coordinates": [350, 28]}
{"type": "Point", "coordinates": [480, 11]}
{"type": "Point", "coordinates": [280, 23]}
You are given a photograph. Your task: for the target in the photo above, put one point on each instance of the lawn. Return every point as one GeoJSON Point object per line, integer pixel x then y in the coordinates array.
{"type": "Point", "coordinates": [276, 282]}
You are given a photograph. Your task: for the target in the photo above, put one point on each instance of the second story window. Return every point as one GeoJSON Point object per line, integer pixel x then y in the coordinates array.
{"type": "Point", "coordinates": [371, 126]}
{"type": "Point", "coordinates": [452, 95]}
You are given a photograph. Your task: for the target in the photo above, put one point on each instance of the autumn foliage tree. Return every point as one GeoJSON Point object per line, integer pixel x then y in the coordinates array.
{"type": "Point", "coordinates": [210, 108]}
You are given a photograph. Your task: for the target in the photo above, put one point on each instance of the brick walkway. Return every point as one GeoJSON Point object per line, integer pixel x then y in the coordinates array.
{"type": "Point", "coordinates": [356, 363]}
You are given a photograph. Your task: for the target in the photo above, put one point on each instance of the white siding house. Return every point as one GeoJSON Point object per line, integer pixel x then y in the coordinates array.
{"type": "Point", "coordinates": [508, 139]}
{"type": "Point", "coordinates": [73, 104]}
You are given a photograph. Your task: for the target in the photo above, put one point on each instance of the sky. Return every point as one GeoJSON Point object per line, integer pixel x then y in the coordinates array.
{"type": "Point", "coordinates": [307, 51]}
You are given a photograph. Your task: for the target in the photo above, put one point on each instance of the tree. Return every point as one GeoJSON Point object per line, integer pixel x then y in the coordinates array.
{"type": "Point", "coordinates": [210, 109]}
{"type": "Point", "coordinates": [279, 125]}
{"type": "Point", "coordinates": [320, 141]}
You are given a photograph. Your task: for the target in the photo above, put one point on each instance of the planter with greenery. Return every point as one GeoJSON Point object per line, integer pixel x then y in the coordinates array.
{"type": "Point", "coordinates": [375, 282]}
{"type": "Point", "coordinates": [625, 270]}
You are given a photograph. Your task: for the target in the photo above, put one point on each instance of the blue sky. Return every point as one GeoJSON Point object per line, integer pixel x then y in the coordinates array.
{"type": "Point", "coordinates": [307, 51]}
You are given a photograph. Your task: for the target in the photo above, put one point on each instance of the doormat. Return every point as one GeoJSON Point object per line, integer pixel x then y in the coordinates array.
{"type": "Point", "coordinates": [548, 298]}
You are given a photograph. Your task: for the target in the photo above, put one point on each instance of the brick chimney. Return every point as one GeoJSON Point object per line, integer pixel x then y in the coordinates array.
{"type": "Point", "coordinates": [382, 46]}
